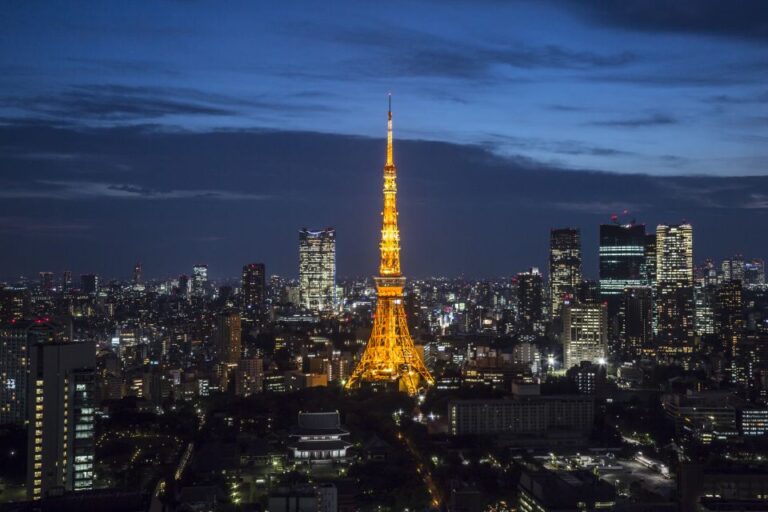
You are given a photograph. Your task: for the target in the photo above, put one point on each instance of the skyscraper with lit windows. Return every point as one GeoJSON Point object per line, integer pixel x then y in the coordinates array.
{"type": "Point", "coordinates": [229, 338]}
{"type": "Point", "coordinates": [674, 288]}
{"type": "Point", "coordinates": [61, 418]}
{"type": "Point", "coordinates": [17, 338]}
{"type": "Point", "coordinates": [530, 303]}
{"type": "Point", "coordinates": [564, 266]}
{"type": "Point", "coordinates": [199, 280]}
{"type": "Point", "coordinates": [253, 289]}
{"type": "Point", "coordinates": [89, 283]}
{"type": "Point", "coordinates": [622, 259]}
{"type": "Point", "coordinates": [729, 316]}
{"type": "Point", "coordinates": [137, 274]}
{"type": "Point", "coordinates": [46, 282]}
{"type": "Point", "coordinates": [585, 334]}
{"type": "Point", "coordinates": [317, 269]}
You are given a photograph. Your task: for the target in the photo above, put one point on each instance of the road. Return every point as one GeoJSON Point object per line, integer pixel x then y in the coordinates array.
{"type": "Point", "coordinates": [424, 469]}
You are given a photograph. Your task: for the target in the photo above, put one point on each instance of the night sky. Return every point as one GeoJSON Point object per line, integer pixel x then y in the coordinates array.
{"type": "Point", "coordinates": [180, 132]}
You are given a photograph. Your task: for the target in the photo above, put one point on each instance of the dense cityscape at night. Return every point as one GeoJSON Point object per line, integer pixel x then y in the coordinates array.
{"type": "Point", "coordinates": [525, 273]}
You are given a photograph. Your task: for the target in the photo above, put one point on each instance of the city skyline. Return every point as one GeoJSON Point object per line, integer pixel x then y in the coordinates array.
{"type": "Point", "coordinates": [551, 296]}
{"type": "Point", "coordinates": [591, 272]}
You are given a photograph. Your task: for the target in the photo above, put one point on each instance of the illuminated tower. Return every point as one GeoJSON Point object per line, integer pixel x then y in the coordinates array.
{"type": "Point", "coordinates": [390, 355]}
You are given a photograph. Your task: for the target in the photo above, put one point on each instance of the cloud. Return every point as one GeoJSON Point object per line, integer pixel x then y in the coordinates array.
{"type": "Point", "coordinates": [111, 103]}
{"type": "Point", "coordinates": [728, 99]}
{"type": "Point", "coordinates": [117, 102]}
{"type": "Point", "coordinates": [41, 227]}
{"type": "Point", "coordinates": [757, 201]}
{"type": "Point", "coordinates": [421, 54]}
{"type": "Point", "coordinates": [455, 200]}
{"type": "Point", "coordinates": [745, 19]}
{"type": "Point", "coordinates": [70, 190]}
{"type": "Point", "coordinates": [561, 147]}
{"type": "Point", "coordinates": [639, 122]}
{"type": "Point", "coordinates": [598, 207]}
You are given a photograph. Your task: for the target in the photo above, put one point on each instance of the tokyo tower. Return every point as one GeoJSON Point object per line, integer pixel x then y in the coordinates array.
{"type": "Point", "coordinates": [390, 355]}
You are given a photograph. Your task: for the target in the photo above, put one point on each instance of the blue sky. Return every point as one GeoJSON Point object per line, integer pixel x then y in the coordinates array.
{"type": "Point", "coordinates": [548, 80]}
{"type": "Point", "coordinates": [666, 89]}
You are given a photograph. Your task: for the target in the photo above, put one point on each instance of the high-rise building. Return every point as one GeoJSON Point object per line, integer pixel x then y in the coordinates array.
{"type": "Point", "coordinates": [649, 263]}
{"type": "Point", "coordinates": [729, 316]}
{"type": "Point", "coordinates": [390, 357]}
{"type": "Point", "coordinates": [733, 269]}
{"type": "Point", "coordinates": [16, 340]}
{"type": "Point", "coordinates": [66, 280]}
{"type": "Point", "coordinates": [14, 303]}
{"type": "Point", "coordinates": [249, 378]}
{"type": "Point", "coordinates": [622, 259]}
{"type": "Point", "coordinates": [61, 418]}
{"type": "Point", "coordinates": [754, 273]}
{"type": "Point", "coordinates": [199, 280]}
{"type": "Point", "coordinates": [184, 285]}
{"type": "Point", "coordinates": [674, 288]}
{"type": "Point", "coordinates": [46, 282]}
{"type": "Point", "coordinates": [704, 296]}
{"type": "Point", "coordinates": [229, 338]}
{"type": "Point", "coordinates": [585, 334]}
{"type": "Point", "coordinates": [564, 266]}
{"type": "Point", "coordinates": [317, 269]}
{"type": "Point", "coordinates": [530, 302]}
{"type": "Point", "coordinates": [136, 279]}
{"type": "Point", "coordinates": [253, 289]}
{"type": "Point", "coordinates": [637, 321]}
{"type": "Point", "coordinates": [89, 283]}
{"type": "Point", "coordinates": [13, 372]}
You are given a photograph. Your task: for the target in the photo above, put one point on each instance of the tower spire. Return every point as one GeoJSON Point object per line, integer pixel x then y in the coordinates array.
{"type": "Point", "coordinates": [390, 157]}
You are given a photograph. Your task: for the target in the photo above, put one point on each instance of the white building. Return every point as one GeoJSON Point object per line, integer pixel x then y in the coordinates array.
{"type": "Point", "coordinates": [585, 333]}
{"type": "Point", "coordinates": [318, 439]}
{"type": "Point", "coordinates": [317, 270]}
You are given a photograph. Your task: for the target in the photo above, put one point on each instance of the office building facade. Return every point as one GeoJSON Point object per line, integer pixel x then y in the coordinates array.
{"type": "Point", "coordinates": [253, 289]}
{"type": "Point", "coordinates": [229, 338]}
{"type": "Point", "coordinates": [674, 289]}
{"type": "Point", "coordinates": [622, 259]}
{"type": "Point", "coordinates": [585, 334]}
{"type": "Point", "coordinates": [564, 266]}
{"type": "Point", "coordinates": [199, 280]}
{"type": "Point", "coordinates": [61, 418]}
{"type": "Point", "coordinates": [317, 270]}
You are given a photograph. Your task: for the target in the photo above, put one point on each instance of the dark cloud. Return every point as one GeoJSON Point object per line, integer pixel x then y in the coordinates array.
{"type": "Point", "coordinates": [728, 99]}
{"type": "Point", "coordinates": [112, 103]}
{"type": "Point", "coordinates": [14, 225]}
{"type": "Point", "coordinates": [565, 108]}
{"type": "Point", "coordinates": [234, 196]}
{"type": "Point", "coordinates": [742, 19]}
{"type": "Point", "coordinates": [639, 122]}
{"type": "Point", "coordinates": [417, 53]}
{"type": "Point", "coordinates": [128, 67]}
{"type": "Point", "coordinates": [115, 103]}
{"type": "Point", "coordinates": [560, 147]}
{"type": "Point", "coordinates": [78, 190]}
{"type": "Point", "coordinates": [471, 61]}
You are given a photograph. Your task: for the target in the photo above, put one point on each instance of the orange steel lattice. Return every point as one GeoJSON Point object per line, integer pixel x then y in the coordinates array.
{"type": "Point", "coordinates": [390, 354]}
